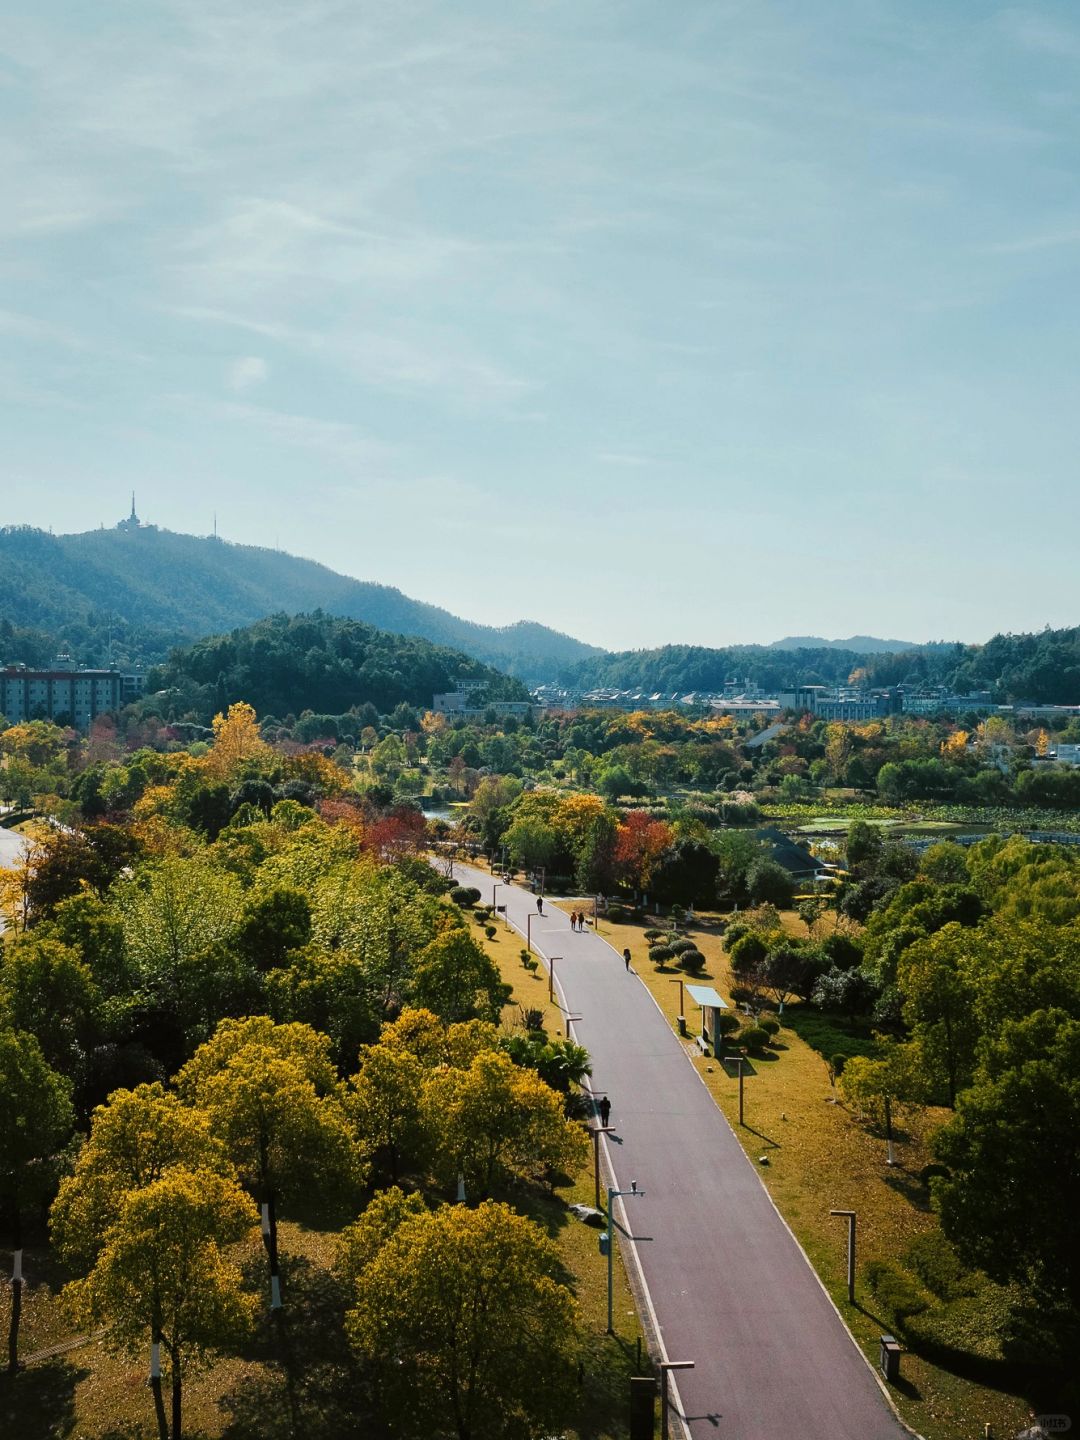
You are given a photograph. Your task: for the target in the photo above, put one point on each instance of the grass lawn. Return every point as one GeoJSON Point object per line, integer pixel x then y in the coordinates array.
{"type": "Point", "coordinates": [821, 1158]}
{"type": "Point", "coordinates": [297, 1386]}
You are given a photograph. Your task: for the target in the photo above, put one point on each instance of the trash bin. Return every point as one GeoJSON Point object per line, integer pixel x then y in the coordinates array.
{"type": "Point", "coordinates": [890, 1357]}
{"type": "Point", "coordinates": [605, 1242]}
{"type": "Point", "coordinates": [682, 1025]}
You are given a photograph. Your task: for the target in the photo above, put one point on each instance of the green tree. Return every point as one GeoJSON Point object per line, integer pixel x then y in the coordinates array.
{"type": "Point", "coordinates": [173, 913]}
{"type": "Point", "coordinates": [939, 1007]}
{"type": "Point", "coordinates": [769, 883]}
{"type": "Point", "coordinates": [162, 1275]}
{"type": "Point", "coordinates": [35, 1117]}
{"type": "Point", "coordinates": [46, 989]}
{"type": "Point", "coordinates": [1011, 1151]}
{"type": "Point", "coordinates": [458, 980]}
{"type": "Point", "coordinates": [272, 926]}
{"type": "Point", "coordinates": [470, 1330]}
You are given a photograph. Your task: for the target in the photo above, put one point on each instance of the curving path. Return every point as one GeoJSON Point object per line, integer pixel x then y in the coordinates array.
{"type": "Point", "coordinates": [727, 1284]}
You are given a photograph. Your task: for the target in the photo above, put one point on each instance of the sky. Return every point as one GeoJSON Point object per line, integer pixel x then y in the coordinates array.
{"type": "Point", "coordinates": [705, 322]}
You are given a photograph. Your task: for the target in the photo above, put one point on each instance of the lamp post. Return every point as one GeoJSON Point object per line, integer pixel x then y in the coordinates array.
{"type": "Point", "coordinates": [499, 885]}
{"type": "Point", "coordinates": [596, 914]}
{"type": "Point", "coordinates": [738, 1061]}
{"type": "Point", "coordinates": [849, 1215]}
{"type": "Point", "coordinates": [528, 931]}
{"type": "Point", "coordinates": [568, 1020]}
{"type": "Point", "coordinates": [551, 976]}
{"type": "Point", "coordinates": [612, 1195]}
{"type": "Point", "coordinates": [596, 1131]}
{"type": "Point", "coordinates": [890, 1159]}
{"type": "Point", "coordinates": [665, 1366]}
{"type": "Point", "coordinates": [678, 981]}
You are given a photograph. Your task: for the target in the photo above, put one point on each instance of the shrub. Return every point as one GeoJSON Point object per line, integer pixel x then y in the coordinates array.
{"type": "Point", "coordinates": [735, 930]}
{"type": "Point", "coordinates": [934, 1172]}
{"type": "Point", "coordinates": [747, 953]}
{"type": "Point", "coordinates": [525, 957]}
{"type": "Point", "coordinates": [692, 960]}
{"type": "Point", "coordinates": [659, 953]}
{"type": "Point", "coordinates": [938, 1266]}
{"type": "Point", "coordinates": [653, 934]}
{"type": "Point", "coordinates": [532, 1019]}
{"type": "Point", "coordinates": [754, 1038]}
{"type": "Point", "coordinates": [770, 1025]}
{"type": "Point", "coordinates": [679, 946]}
{"type": "Point", "coordinates": [726, 1023]}
{"type": "Point", "coordinates": [618, 913]}
{"type": "Point", "coordinates": [465, 895]}
{"type": "Point", "coordinates": [896, 1293]}
{"type": "Point", "coordinates": [489, 931]}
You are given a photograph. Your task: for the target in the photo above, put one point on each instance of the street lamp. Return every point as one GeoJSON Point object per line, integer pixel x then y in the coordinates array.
{"type": "Point", "coordinates": [551, 977]}
{"type": "Point", "coordinates": [528, 930]}
{"type": "Point", "coordinates": [849, 1215]}
{"type": "Point", "coordinates": [612, 1195]}
{"type": "Point", "coordinates": [665, 1366]}
{"type": "Point", "coordinates": [596, 1131]}
{"type": "Point", "coordinates": [682, 1008]}
{"type": "Point", "coordinates": [499, 885]}
{"type": "Point", "coordinates": [568, 1020]}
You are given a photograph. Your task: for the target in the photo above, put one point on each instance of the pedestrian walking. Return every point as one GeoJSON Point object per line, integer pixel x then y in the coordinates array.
{"type": "Point", "coordinates": [626, 956]}
{"type": "Point", "coordinates": [605, 1111]}
{"type": "Point", "coordinates": [539, 904]}
{"type": "Point", "coordinates": [573, 919]}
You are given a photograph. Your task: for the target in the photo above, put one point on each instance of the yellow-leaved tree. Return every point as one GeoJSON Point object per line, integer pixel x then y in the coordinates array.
{"type": "Point", "coordinates": [162, 1275]}
{"type": "Point", "coordinates": [272, 1094]}
{"type": "Point", "coordinates": [463, 1317]}
{"type": "Point", "coordinates": [237, 739]}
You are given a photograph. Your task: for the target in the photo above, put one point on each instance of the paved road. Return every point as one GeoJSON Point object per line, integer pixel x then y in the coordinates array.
{"type": "Point", "coordinates": [11, 847]}
{"type": "Point", "coordinates": [730, 1288]}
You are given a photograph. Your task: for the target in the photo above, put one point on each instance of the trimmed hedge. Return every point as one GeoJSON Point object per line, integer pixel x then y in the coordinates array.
{"type": "Point", "coordinates": [465, 895]}
{"type": "Point", "coordinates": [692, 960]}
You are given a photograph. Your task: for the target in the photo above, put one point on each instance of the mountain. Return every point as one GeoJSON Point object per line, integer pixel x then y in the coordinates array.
{"type": "Point", "coordinates": [286, 664]}
{"type": "Point", "coordinates": [136, 591]}
{"type": "Point", "coordinates": [859, 644]}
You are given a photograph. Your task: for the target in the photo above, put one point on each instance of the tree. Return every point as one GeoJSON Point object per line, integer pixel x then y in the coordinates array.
{"type": "Point", "coordinates": [531, 842]}
{"type": "Point", "coordinates": [458, 980]}
{"type": "Point", "coordinates": [237, 741]}
{"type": "Point", "coordinates": [768, 883]}
{"type": "Point", "coordinates": [939, 1007]}
{"type": "Point", "coordinates": [46, 989]}
{"type": "Point", "coordinates": [638, 848]}
{"type": "Point", "coordinates": [1014, 1181]}
{"type": "Point", "coordinates": [494, 1120]}
{"type": "Point", "coordinates": [272, 925]}
{"type": "Point", "coordinates": [594, 869]}
{"type": "Point", "coordinates": [785, 973]}
{"type": "Point", "coordinates": [162, 1274]}
{"type": "Point", "coordinates": [810, 912]}
{"type": "Point", "coordinates": [173, 913]}
{"type": "Point", "coordinates": [35, 1117]}
{"type": "Point", "coordinates": [271, 1094]}
{"type": "Point", "coordinates": [387, 1105]}
{"type": "Point", "coordinates": [134, 1139]}
{"type": "Point", "coordinates": [470, 1330]}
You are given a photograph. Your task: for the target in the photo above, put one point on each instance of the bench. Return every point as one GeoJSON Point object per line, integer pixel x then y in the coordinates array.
{"type": "Point", "coordinates": [702, 1044]}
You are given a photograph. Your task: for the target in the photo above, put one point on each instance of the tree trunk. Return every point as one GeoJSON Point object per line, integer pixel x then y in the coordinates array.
{"type": "Point", "coordinates": [155, 1386]}
{"type": "Point", "coordinates": [176, 1399]}
{"type": "Point", "coordinates": [16, 1290]}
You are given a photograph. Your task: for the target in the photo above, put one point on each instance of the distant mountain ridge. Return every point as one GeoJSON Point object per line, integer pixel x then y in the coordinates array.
{"type": "Point", "coordinates": [135, 592]}
{"type": "Point", "coordinates": [860, 644]}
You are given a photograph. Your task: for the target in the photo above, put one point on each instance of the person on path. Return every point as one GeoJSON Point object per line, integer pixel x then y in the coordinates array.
{"type": "Point", "coordinates": [605, 1111]}
{"type": "Point", "coordinates": [539, 904]}
{"type": "Point", "coordinates": [626, 956]}
{"type": "Point", "coordinates": [573, 919]}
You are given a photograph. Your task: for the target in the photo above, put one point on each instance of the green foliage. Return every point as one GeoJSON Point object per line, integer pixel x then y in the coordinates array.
{"type": "Point", "coordinates": [754, 1038]}
{"type": "Point", "coordinates": [467, 1326]}
{"type": "Point", "coordinates": [895, 1292]}
{"type": "Point", "coordinates": [457, 979]}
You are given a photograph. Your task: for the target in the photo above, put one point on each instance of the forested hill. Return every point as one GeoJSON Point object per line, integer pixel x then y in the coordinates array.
{"type": "Point", "coordinates": [151, 589]}
{"type": "Point", "coordinates": [284, 665]}
{"type": "Point", "coordinates": [1044, 666]}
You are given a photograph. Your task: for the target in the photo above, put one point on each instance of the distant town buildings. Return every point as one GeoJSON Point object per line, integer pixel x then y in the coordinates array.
{"type": "Point", "coordinates": [467, 702]}
{"type": "Point", "coordinates": [65, 693]}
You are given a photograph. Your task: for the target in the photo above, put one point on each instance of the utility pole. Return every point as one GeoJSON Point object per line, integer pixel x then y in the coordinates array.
{"type": "Point", "coordinates": [595, 1132]}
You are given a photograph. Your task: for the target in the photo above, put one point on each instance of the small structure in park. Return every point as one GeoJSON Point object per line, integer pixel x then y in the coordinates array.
{"type": "Point", "coordinates": [711, 1005]}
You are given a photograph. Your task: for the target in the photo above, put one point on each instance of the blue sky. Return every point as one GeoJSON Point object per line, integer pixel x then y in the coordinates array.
{"type": "Point", "coordinates": [707, 322]}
